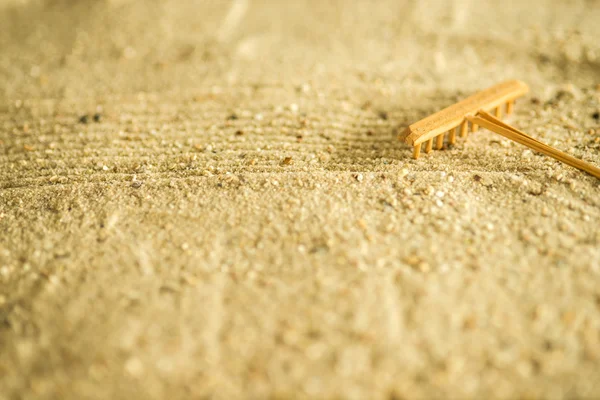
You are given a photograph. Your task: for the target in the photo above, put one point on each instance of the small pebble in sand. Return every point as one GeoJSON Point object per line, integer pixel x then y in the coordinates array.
{"type": "Point", "coordinates": [239, 133]}
{"type": "Point", "coordinates": [136, 184]}
{"type": "Point", "coordinates": [129, 52]}
{"type": "Point", "coordinates": [304, 88]}
{"type": "Point", "coordinates": [134, 367]}
{"type": "Point", "coordinates": [596, 115]}
{"type": "Point", "coordinates": [232, 117]}
{"type": "Point", "coordinates": [383, 115]}
{"type": "Point", "coordinates": [286, 161]}
{"type": "Point", "coordinates": [97, 117]}
{"type": "Point", "coordinates": [417, 264]}
{"type": "Point", "coordinates": [485, 181]}
{"type": "Point", "coordinates": [84, 119]}
{"type": "Point", "coordinates": [469, 323]}
{"type": "Point", "coordinates": [359, 177]}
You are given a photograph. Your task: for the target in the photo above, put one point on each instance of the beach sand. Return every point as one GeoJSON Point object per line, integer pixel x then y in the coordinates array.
{"type": "Point", "coordinates": [209, 200]}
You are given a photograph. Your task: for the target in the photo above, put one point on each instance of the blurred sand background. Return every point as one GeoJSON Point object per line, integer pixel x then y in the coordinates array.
{"type": "Point", "coordinates": [241, 222]}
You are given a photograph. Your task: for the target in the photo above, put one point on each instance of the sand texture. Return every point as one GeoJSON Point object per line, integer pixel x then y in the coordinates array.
{"type": "Point", "coordinates": [235, 217]}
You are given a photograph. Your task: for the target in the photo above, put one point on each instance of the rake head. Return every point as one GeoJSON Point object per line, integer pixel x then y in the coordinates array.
{"type": "Point", "coordinates": [498, 98]}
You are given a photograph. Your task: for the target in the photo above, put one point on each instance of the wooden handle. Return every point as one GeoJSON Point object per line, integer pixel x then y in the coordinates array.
{"type": "Point", "coordinates": [495, 125]}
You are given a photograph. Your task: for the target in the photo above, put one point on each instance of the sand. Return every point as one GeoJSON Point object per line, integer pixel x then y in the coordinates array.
{"type": "Point", "coordinates": [240, 221]}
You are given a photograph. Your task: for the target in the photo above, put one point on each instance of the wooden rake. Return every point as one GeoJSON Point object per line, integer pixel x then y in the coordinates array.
{"type": "Point", "coordinates": [473, 109]}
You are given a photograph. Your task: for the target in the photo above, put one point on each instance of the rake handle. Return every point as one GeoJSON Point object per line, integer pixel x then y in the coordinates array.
{"type": "Point", "coordinates": [517, 136]}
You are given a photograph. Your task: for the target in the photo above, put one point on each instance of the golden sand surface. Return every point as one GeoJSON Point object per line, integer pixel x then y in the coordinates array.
{"type": "Point", "coordinates": [207, 199]}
